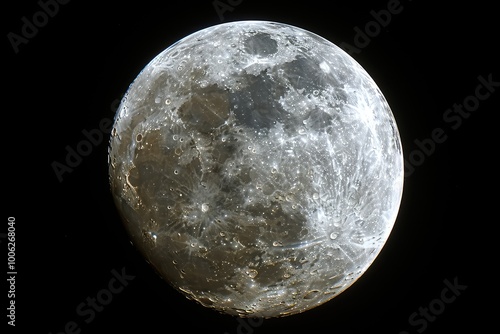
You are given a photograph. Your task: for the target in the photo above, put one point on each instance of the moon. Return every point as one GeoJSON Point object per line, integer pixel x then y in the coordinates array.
{"type": "Point", "coordinates": [257, 167]}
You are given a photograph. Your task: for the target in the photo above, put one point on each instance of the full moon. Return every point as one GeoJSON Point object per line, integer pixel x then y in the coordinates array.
{"type": "Point", "coordinates": [257, 167]}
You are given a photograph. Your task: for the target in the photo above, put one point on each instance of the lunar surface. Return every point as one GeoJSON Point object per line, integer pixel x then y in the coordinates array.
{"type": "Point", "coordinates": [257, 167]}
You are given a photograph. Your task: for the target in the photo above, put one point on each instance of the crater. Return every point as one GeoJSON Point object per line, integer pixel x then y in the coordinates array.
{"type": "Point", "coordinates": [261, 44]}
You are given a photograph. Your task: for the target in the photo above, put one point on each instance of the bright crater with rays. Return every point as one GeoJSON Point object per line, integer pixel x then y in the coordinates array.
{"type": "Point", "coordinates": [257, 167]}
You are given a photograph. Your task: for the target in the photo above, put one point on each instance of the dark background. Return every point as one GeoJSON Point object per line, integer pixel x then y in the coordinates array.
{"type": "Point", "coordinates": [69, 237]}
